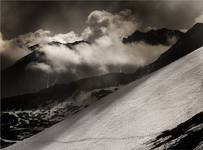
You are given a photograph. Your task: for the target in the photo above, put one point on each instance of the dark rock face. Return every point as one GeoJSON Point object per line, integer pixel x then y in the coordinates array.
{"type": "Point", "coordinates": [154, 37]}
{"type": "Point", "coordinates": [69, 45]}
{"type": "Point", "coordinates": [187, 135]}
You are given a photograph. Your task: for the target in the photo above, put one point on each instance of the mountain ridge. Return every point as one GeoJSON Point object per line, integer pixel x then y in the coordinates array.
{"type": "Point", "coordinates": [154, 37]}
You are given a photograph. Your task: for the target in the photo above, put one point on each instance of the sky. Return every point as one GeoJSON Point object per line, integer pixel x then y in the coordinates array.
{"type": "Point", "coordinates": [20, 17]}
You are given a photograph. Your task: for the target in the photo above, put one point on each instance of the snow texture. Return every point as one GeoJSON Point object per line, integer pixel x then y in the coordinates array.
{"type": "Point", "coordinates": [129, 118]}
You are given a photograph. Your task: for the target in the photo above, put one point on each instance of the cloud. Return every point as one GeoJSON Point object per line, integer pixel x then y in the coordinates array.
{"type": "Point", "coordinates": [106, 52]}
{"type": "Point", "coordinates": [42, 37]}
{"type": "Point", "coordinates": [40, 66]}
{"type": "Point", "coordinates": [16, 48]}
{"type": "Point", "coordinates": [100, 56]}
{"type": "Point", "coordinates": [199, 19]}
{"type": "Point", "coordinates": [66, 38]}
{"type": "Point", "coordinates": [102, 23]}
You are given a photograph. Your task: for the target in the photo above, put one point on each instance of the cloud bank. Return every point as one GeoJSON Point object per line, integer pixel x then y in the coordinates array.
{"type": "Point", "coordinates": [105, 53]}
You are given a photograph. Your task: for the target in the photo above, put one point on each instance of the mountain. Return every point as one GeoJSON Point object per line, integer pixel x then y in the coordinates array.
{"type": "Point", "coordinates": [77, 95]}
{"type": "Point", "coordinates": [154, 37]}
{"type": "Point", "coordinates": [17, 80]}
{"type": "Point", "coordinates": [160, 111]}
{"type": "Point", "coordinates": [34, 57]}
{"type": "Point", "coordinates": [192, 39]}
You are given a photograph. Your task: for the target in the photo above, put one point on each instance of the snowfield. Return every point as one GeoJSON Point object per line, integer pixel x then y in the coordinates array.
{"type": "Point", "coordinates": [134, 115]}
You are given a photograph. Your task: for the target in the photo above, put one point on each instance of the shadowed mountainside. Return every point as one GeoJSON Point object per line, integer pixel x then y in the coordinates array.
{"type": "Point", "coordinates": [154, 37]}
{"type": "Point", "coordinates": [190, 41]}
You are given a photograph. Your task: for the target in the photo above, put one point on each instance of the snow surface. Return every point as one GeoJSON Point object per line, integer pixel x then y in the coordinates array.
{"type": "Point", "coordinates": [132, 116]}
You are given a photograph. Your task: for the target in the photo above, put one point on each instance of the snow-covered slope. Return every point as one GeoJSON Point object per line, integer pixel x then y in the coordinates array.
{"type": "Point", "coordinates": [133, 116]}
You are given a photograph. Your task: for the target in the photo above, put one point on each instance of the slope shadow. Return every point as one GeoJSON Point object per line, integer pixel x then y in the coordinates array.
{"type": "Point", "coordinates": [186, 135]}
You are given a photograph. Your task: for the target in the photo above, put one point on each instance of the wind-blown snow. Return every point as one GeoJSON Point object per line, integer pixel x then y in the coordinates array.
{"type": "Point", "coordinates": [130, 117]}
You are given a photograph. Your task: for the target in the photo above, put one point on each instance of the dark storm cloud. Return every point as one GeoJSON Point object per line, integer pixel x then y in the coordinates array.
{"type": "Point", "coordinates": [61, 17]}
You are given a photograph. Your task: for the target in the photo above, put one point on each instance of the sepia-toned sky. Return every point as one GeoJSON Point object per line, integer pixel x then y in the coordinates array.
{"type": "Point", "coordinates": [20, 17]}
